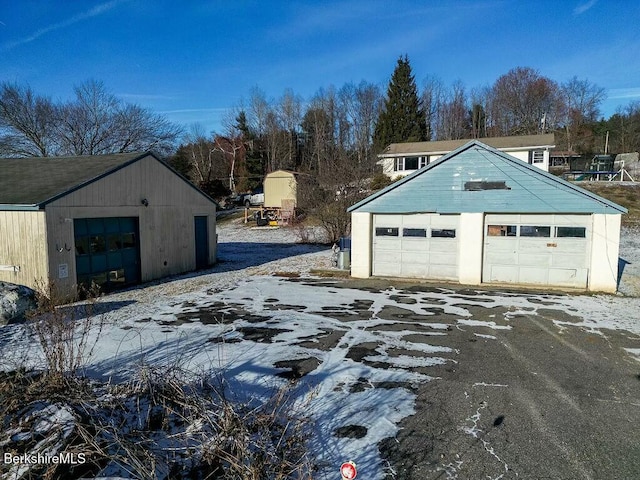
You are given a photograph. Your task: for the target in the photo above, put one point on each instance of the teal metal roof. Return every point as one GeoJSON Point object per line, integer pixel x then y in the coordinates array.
{"type": "Point", "coordinates": [442, 187]}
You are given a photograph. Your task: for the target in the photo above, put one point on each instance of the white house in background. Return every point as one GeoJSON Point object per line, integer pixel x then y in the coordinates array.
{"type": "Point", "coordinates": [401, 159]}
{"type": "Point", "coordinates": [482, 216]}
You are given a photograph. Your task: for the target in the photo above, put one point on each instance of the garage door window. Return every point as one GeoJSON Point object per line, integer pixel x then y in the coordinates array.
{"type": "Point", "coordinates": [414, 232]}
{"type": "Point", "coordinates": [443, 233]}
{"type": "Point", "coordinates": [571, 232]}
{"type": "Point", "coordinates": [502, 230]}
{"type": "Point", "coordinates": [107, 251]}
{"type": "Point", "coordinates": [386, 232]}
{"type": "Point", "coordinates": [537, 231]}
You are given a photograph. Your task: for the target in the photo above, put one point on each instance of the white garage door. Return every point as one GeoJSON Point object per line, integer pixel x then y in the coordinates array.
{"type": "Point", "coordinates": [537, 249]}
{"type": "Point", "coordinates": [416, 246]}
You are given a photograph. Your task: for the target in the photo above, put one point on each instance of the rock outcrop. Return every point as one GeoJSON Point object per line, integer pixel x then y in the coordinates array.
{"type": "Point", "coordinates": [15, 302]}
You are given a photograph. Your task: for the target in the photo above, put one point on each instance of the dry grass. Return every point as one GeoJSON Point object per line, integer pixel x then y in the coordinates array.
{"type": "Point", "coordinates": [626, 194]}
{"type": "Point", "coordinates": [164, 423]}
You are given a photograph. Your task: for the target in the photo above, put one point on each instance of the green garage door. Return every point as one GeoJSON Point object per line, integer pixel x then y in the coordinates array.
{"type": "Point", "coordinates": [202, 242]}
{"type": "Point", "coordinates": [107, 252]}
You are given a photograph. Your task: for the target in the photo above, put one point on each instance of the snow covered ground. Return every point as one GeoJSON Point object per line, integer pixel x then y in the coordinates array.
{"type": "Point", "coordinates": [629, 264]}
{"type": "Point", "coordinates": [356, 353]}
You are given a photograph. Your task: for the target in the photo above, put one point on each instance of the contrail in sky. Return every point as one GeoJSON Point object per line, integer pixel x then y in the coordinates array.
{"type": "Point", "coordinates": [95, 11]}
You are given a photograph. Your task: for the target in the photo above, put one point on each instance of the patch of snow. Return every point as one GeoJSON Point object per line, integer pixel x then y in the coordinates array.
{"type": "Point", "coordinates": [634, 352]}
{"type": "Point", "coordinates": [482, 335]}
{"type": "Point", "coordinates": [480, 323]}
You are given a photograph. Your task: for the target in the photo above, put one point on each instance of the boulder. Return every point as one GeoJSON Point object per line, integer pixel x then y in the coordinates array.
{"type": "Point", "coordinates": [15, 302]}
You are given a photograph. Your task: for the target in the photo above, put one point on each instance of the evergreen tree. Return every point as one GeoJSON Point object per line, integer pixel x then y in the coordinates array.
{"type": "Point", "coordinates": [255, 161]}
{"type": "Point", "coordinates": [402, 119]}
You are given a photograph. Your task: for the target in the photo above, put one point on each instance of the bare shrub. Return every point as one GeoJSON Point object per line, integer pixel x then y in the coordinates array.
{"type": "Point", "coordinates": [64, 332]}
{"type": "Point", "coordinates": [304, 233]}
{"type": "Point", "coordinates": [379, 181]}
{"type": "Point", "coordinates": [334, 219]}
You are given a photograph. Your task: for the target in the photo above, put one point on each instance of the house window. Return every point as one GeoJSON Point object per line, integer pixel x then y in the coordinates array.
{"type": "Point", "coordinates": [443, 233]}
{"type": "Point", "coordinates": [502, 230]}
{"type": "Point", "coordinates": [414, 232]}
{"type": "Point", "coordinates": [386, 232]}
{"type": "Point", "coordinates": [571, 232]}
{"type": "Point", "coordinates": [410, 163]}
{"type": "Point", "coordinates": [531, 231]}
{"type": "Point", "coordinates": [537, 156]}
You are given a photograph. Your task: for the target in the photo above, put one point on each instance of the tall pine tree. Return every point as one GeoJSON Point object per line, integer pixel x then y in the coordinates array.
{"type": "Point", "coordinates": [402, 119]}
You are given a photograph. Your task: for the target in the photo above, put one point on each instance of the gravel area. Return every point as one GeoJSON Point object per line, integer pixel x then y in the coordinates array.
{"type": "Point", "coordinates": [245, 250]}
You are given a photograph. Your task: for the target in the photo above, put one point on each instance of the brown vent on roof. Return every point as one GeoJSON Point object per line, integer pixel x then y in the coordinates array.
{"type": "Point", "coordinates": [476, 186]}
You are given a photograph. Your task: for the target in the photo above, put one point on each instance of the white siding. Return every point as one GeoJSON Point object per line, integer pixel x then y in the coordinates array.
{"type": "Point", "coordinates": [471, 233]}
{"type": "Point", "coordinates": [388, 163]}
{"type": "Point", "coordinates": [524, 156]}
{"type": "Point", "coordinates": [604, 253]}
{"type": "Point", "coordinates": [361, 245]}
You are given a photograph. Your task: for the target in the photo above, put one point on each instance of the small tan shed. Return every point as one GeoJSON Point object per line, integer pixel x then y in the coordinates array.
{"type": "Point", "coordinates": [280, 189]}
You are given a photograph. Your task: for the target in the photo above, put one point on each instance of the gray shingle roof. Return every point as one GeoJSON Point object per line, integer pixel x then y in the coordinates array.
{"type": "Point", "coordinates": [38, 180]}
{"type": "Point", "coordinates": [445, 146]}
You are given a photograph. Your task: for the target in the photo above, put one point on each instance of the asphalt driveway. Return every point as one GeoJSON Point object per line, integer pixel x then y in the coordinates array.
{"type": "Point", "coordinates": [534, 401]}
{"type": "Point", "coordinates": [503, 384]}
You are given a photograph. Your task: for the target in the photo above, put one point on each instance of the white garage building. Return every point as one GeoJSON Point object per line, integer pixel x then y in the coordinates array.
{"type": "Point", "coordinates": [482, 216]}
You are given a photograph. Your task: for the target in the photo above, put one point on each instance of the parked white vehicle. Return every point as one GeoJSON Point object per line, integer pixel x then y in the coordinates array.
{"type": "Point", "coordinates": [254, 199]}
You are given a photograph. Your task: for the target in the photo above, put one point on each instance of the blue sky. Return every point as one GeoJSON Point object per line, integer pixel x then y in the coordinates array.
{"type": "Point", "coordinates": [193, 60]}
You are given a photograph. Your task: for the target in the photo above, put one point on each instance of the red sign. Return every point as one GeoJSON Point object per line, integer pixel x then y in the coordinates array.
{"type": "Point", "coordinates": [348, 471]}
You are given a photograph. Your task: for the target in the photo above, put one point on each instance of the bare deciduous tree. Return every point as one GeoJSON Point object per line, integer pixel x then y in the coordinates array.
{"type": "Point", "coordinates": [480, 112]}
{"type": "Point", "coordinates": [359, 109]}
{"type": "Point", "coordinates": [453, 119]}
{"type": "Point", "coordinates": [289, 110]}
{"type": "Point", "coordinates": [583, 101]}
{"type": "Point", "coordinates": [199, 152]}
{"type": "Point", "coordinates": [95, 123]}
{"type": "Point", "coordinates": [233, 151]}
{"type": "Point", "coordinates": [624, 129]}
{"type": "Point", "coordinates": [525, 103]}
{"type": "Point", "coordinates": [26, 122]}
{"type": "Point", "coordinates": [432, 99]}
